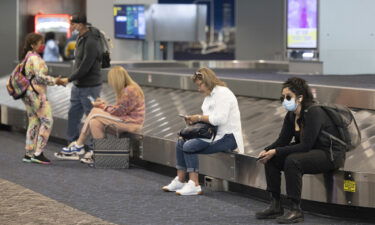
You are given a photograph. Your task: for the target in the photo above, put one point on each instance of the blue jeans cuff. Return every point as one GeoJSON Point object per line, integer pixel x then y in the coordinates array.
{"type": "Point", "coordinates": [190, 170]}
{"type": "Point", "coordinates": [180, 168]}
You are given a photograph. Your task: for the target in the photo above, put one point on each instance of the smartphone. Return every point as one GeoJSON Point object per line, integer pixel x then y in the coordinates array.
{"type": "Point", "coordinates": [259, 158]}
{"type": "Point", "coordinates": [91, 98]}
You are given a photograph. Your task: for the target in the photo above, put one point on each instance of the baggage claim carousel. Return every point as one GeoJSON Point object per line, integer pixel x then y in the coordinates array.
{"type": "Point", "coordinates": [257, 84]}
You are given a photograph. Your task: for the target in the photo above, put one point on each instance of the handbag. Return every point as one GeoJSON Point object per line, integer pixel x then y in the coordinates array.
{"type": "Point", "coordinates": [199, 130]}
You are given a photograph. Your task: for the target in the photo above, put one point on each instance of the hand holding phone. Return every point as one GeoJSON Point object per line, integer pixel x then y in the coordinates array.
{"type": "Point", "coordinates": [91, 98]}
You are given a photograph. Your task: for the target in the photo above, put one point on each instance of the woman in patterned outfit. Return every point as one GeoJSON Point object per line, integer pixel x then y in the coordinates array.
{"type": "Point", "coordinates": [127, 114]}
{"type": "Point", "coordinates": [37, 106]}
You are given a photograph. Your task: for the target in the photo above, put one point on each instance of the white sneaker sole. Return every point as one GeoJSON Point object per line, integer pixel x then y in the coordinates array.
{"type": "Point", "coordinates": [187, 194]}
{"type": "Point", "coordinates": [167, 190]}
{"type": "Point", "coordinates": [63, 156]}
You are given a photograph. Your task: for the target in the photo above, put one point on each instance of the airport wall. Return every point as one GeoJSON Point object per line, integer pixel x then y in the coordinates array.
{"type": "Point", "coordinates": [260, 30]}
{"type": "Point", "coordinates": [100, 14]}
{"type": "Point", "coordinates": [347, 36]}
{"type": "Point", "coordinates": [8, 34]}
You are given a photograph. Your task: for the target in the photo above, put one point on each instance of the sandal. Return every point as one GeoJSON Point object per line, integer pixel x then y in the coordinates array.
{"type": "Point", "coordinates": [87, 160]}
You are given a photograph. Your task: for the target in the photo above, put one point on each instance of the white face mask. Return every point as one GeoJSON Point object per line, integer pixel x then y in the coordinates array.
{"type": "Point", "coordinates": [75, 32]}
{"type": "Point", "coordinates": [290, 105]}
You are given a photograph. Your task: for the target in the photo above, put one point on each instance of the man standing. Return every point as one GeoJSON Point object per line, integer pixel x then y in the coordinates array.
{"type": "Point", "coordinates": [86, 78]}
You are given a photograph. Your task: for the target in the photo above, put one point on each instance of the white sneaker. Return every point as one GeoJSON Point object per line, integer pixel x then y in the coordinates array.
{"type": "Point", "coordinates": [174, 185]}
{"type": "Point", "coordinates": [73, 148]}
{"type": "Point", "coordinates": [190, 189]}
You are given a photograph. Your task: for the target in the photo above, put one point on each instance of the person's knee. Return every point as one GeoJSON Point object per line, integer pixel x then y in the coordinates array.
{"type": "Point", "coordinates": [96, 128]}
{"type": "Point", "coordinates": [47, 121]}
{"type": "Point", "coordinates": [189, 147]}
{"type": "Point", "coordinates": [291, 163]}
{"type": "Point", "coordinates": [95, 110]}
{"type": "Point", "coordinates": [95, 124]}
{"type": "Point", "coordinates": [179, 144]}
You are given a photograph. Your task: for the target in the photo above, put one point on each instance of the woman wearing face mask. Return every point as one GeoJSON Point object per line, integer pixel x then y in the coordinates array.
{"type": "Point", "coordinates": [307, 154]}
{"type": "Point", "coordinates": [36, 103]}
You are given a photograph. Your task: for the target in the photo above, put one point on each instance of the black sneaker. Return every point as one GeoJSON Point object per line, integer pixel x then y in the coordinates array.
{"type": "Point", "coordinates": [26, 158]}
{"type": "Point", "coordinates": [40, 159]}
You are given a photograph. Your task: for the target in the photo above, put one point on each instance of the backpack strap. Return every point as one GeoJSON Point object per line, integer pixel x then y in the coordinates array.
{"type": "Point", "coordinates": [23, 72]}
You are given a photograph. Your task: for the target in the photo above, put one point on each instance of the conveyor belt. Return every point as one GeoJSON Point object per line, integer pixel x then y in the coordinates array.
{"type": "Point", "coordinates": [261, 119]}
{"type": "Point", "coordinates": [352, 81]}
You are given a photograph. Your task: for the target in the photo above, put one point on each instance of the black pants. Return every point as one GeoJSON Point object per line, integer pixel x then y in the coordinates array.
{"type": "Point", "coordinates": [294, 166]}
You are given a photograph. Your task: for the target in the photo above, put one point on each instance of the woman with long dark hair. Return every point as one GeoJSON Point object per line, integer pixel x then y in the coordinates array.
{"type": "Point", "coordinates": [36, 103]}
{"type": "Point", "coordinates": [307, 154]}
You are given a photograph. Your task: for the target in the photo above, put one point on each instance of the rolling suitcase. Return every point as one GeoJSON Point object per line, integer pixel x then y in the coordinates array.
{"type": "Point", "coordinates": [112, 151]}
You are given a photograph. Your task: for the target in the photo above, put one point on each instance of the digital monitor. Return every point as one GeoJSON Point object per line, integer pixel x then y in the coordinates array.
{"type": "Point", "coordinates": [130, 21]}
{"type": "Point", "coordinates": [58, 23]}
{"type": "Point", "coordinates": [302, 23]}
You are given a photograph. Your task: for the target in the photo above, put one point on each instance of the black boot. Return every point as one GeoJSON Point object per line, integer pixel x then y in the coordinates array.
{"type": "Point", "coordinates": [295, 215]}
{"type": "Point", "coordinates": [273, 211]}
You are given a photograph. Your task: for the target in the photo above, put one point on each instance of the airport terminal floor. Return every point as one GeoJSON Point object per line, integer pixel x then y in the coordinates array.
{"type": "Point", "coordinates": [69, 192]}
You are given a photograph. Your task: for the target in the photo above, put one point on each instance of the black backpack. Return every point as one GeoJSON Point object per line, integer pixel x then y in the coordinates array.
{"type": "Point", "coordinates": [106, 45]}
{"type": "Point", "coordinates": [342, 117]}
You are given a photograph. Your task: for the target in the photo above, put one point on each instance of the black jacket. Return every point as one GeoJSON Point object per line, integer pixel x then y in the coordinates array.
{"type": "Point", "coordinates": [88, 55]}
{"type": "Point", "coordinates": [313, 122]}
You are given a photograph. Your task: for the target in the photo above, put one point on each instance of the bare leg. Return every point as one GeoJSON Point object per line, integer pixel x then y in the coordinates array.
{"type": "Point", "coordinates": [194, 177]}
{"type": "Point", "coordinates": [82, 138]}
{"type": "Point", "coordinates": [85, 131]}
{"type": "Point", "coordinates": [181, 175]}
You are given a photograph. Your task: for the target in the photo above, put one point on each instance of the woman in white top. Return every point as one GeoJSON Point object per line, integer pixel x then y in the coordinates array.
{"type": "Point", "coordinates": [220, 108]}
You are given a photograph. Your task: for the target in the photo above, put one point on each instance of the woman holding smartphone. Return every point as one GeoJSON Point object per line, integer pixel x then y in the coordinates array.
{"type": "Point", "coordinates": [219, 108]}
{"type": "Point", "coordinates": [127, 114]}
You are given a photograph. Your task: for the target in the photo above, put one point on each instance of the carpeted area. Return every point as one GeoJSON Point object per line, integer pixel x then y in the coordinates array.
{"type": "Point", "coordinates": [130, 196]}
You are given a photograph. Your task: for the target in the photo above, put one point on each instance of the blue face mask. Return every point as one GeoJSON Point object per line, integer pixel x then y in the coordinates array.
{"type": "Point", "coordinates": [290, 105]}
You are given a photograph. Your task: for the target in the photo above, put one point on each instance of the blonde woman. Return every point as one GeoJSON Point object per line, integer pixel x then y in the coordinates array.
{"type": "Point", "coordinates": [220, 108]}
{"type": "Point", "coordinates": [127, 114]}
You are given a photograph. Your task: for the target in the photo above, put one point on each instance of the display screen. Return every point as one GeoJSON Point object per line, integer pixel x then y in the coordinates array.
{"type": "Point", "coordinates": [58, 23]}
{"type": "Point", "coordinates": [129, 21]}
{"type": "Point", "coordinates": [302, 23]}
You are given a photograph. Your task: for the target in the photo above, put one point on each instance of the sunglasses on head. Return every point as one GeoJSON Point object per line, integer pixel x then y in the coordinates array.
{"type": "Point", "coordinates": [287, 97]}
{"type": "Point", "coordinates": [197, 76]}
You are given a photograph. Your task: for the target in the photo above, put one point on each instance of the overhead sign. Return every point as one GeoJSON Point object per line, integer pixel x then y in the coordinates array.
{"type": "Point", "coordinates": [302, 20]}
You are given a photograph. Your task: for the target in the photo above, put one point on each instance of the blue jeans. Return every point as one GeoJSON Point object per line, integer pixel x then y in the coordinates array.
{"type": "Point", "coordinates": [79, 104]}
{"type": "Point", "coordinates": [187, 151]}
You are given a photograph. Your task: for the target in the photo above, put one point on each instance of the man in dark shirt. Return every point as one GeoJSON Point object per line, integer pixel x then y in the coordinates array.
{"type": "Point", "coordinates": [86, 77]}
